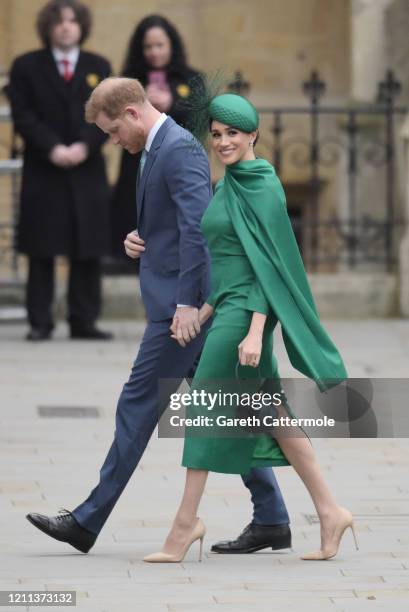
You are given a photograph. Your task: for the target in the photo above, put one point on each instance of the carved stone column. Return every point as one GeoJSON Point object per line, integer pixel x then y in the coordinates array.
{"type": "Point", "coordinates": [368, 47]}
{"type": "Point", "coordinates": [404, 246]}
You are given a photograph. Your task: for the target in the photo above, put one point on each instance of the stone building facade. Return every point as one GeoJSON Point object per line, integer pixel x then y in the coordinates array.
{"type": "Point", "coordinates": [276, 44]}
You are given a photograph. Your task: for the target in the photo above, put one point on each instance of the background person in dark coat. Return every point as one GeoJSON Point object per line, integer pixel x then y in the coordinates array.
{"type": "Point", "coordinates": [157, 58]}
{"type": "Point", "coordinates": [64, 204]}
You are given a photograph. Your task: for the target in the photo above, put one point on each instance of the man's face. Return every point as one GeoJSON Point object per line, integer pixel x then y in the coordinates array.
{"type": "Point", "coordinates": [66, 33]}
{"type": "Point", "coordinates": [127, 130]}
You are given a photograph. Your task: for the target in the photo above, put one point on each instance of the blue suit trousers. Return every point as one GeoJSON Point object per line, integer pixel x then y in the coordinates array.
{"type": "Point", "coordinates": [138, 409]}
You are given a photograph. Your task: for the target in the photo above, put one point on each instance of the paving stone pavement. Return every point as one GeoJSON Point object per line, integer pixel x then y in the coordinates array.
{"type": "Point", "coordinates": [47, 463]}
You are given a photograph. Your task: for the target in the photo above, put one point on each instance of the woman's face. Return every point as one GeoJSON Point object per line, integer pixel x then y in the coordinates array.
{"type": "Point", "coordinates": [157, 48]}
{"type": "Point", "coordinates": [230, 144]}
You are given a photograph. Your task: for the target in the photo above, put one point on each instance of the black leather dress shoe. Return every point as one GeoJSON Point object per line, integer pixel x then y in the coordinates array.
{"type": "Point", "coordinates": [37, 334]}
{"type": "Point", "coordinates": [256, 537]}
{"type": "Point", "coordinates": [64, 528]}
{"type": "Point", "coordinates": [90, 333]}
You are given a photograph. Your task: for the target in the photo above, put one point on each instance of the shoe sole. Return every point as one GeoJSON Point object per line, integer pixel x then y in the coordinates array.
{"type": "Point", "coordinates": [89, 338]}
{"type": "Point", "coordinates": [44, 530]}
{"type": "Point", "coordinates": [250, 550]}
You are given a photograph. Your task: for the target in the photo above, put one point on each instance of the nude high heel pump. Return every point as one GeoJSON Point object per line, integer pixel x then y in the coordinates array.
{"type": "Point", "coordinates": [198, 533]}
{"type": "Point", "coordinates": [346, 521]}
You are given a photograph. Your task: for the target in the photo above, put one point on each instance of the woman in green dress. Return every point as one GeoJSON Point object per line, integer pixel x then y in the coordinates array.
{"type": "Point", "coordinates": [258, 279]}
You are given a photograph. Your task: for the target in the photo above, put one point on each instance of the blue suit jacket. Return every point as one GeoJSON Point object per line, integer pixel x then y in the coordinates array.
{"type": "Point", "coordinates": [172, 195]}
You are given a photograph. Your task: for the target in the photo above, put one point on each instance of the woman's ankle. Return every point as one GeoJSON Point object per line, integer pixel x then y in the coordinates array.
{"type": "Point", "coordinates": [184, 522]}
{"type": "Point", "coordinates": [328, 512]}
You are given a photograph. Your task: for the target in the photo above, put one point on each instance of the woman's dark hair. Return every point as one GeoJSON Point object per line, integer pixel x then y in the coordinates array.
{"type": "Point", "coordinates": [50, 15]}
{"type": "Point", "coordinates": [135, 65]}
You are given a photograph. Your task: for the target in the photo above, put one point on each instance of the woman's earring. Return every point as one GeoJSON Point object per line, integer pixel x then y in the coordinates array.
{"type": "Point", "coordinates": [251, 143]}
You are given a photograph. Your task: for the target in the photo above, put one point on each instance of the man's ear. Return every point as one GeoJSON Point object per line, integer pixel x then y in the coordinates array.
{"type": "Point", "coordinates": [132, 112]}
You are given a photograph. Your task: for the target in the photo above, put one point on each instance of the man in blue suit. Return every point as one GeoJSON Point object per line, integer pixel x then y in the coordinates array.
{"type": "Point", "coordinates": [173, 191]}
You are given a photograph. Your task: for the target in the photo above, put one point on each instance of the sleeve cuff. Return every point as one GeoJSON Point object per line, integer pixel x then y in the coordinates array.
{"type": "Point", "coordinates": [257, 302]}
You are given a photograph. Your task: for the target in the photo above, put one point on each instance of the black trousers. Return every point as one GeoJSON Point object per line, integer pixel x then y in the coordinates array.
{"type": "Point", "coordinates": [84, 292]}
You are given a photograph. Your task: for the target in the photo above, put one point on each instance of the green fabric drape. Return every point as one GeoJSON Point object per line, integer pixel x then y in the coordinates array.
{"type": "Point", "coordinates": [255, 201]}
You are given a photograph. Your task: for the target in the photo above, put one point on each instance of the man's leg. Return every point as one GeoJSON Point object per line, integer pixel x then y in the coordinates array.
{"type": "Point", "coordinates": [40, 293]}
{"type": "Point", "coordinates": [84, 299]}
{"type": "Point", "coordinates": [268, 503]}
{"type": "Point", "coordinates": [269, 527]}
{"type": "Point", "coordinates": [84, 292]}
{"type": "Point", "coordinates": [159, 357]}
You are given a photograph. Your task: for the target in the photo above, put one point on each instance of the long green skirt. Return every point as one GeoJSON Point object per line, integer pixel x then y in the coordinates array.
{"type": "Point", "coordinates": [207, 449]}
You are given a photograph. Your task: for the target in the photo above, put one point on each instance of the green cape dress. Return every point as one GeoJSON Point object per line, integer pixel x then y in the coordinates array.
{"type": "Point", "coordinates": [256, 267]}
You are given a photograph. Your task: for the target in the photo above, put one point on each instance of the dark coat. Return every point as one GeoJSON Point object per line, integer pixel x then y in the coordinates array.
{"type": "Point", "coordinates": [63, 211]}
{"type": "Point", "coordinates": [123, 211]}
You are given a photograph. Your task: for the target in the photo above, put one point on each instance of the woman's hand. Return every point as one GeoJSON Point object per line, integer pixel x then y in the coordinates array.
{"type": "Point", "coordinates": [205, 313]}
{"type": "Point", "coordinates": [185, 325]}
{"type": "Point", "coordinates": [250, 349]}
{"type": "Point", "coordinates": [160, 97]}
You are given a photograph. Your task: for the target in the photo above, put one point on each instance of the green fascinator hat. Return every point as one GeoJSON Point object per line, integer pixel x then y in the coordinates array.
{"type": "Point", "coordinates": [235, 111]}
{"type": "Point", "coordinates": [205, 103]}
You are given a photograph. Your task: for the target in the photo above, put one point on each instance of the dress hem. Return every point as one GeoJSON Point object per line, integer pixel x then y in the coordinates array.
{"type": "Point", "coordinates": [254, 463]}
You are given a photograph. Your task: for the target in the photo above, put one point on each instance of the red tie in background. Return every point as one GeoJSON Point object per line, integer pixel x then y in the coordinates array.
{"type": "Point", "coordinates": [67, 74]}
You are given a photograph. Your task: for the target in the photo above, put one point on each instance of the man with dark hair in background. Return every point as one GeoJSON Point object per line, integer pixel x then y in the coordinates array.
{"type": "Point", "coordinates": [64, 204]}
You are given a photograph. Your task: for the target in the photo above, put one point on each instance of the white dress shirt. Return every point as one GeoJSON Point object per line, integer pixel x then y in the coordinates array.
{"type": "Point", "coordinates": [154, 130]}
{"type": "Point", "coordinates": [71, 56]}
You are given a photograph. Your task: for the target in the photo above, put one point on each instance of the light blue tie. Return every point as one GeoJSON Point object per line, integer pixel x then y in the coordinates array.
{"type": "Point", "coordinates": [140, 167]}
{"type": "Point", "coordinates": [142, 162]}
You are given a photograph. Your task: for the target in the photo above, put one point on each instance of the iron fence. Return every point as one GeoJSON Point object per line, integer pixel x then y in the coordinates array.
{"type": "Point", "coordinates": [337, 138]}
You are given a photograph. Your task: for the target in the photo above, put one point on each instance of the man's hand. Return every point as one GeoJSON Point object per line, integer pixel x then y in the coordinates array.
{"type": "Point", "coordinates": [66, 157]}
{"type": "Point", "coordinates": [78, 153]}
{"type": "Point", "coordinates": [134, 245]}
{"type": "Point", "coordinates": [185, 325]}
{"type": "Point", "coordinates": [59, 156]}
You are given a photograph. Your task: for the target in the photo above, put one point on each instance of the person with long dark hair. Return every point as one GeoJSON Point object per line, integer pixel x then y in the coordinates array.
{"type": "Point", "coordinates": [64, 200]}
{"type": "Point", "coordinates": [156, 57]}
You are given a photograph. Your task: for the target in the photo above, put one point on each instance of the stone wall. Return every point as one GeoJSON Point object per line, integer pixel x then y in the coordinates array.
{"type": "Point", "coordinates": [275, 42]}
{"type": "Point", "coordinates": [397, 54]}
{"type": "Point", "coordinates": [369, 47]}
{"type": "Point", "coordinates": [397, 43]}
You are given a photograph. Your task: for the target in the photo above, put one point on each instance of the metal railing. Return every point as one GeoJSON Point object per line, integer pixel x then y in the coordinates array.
{"type": "Point", "coordinates": [337, 138]}
{"type": "Point", "coordinates": [351, 236]}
